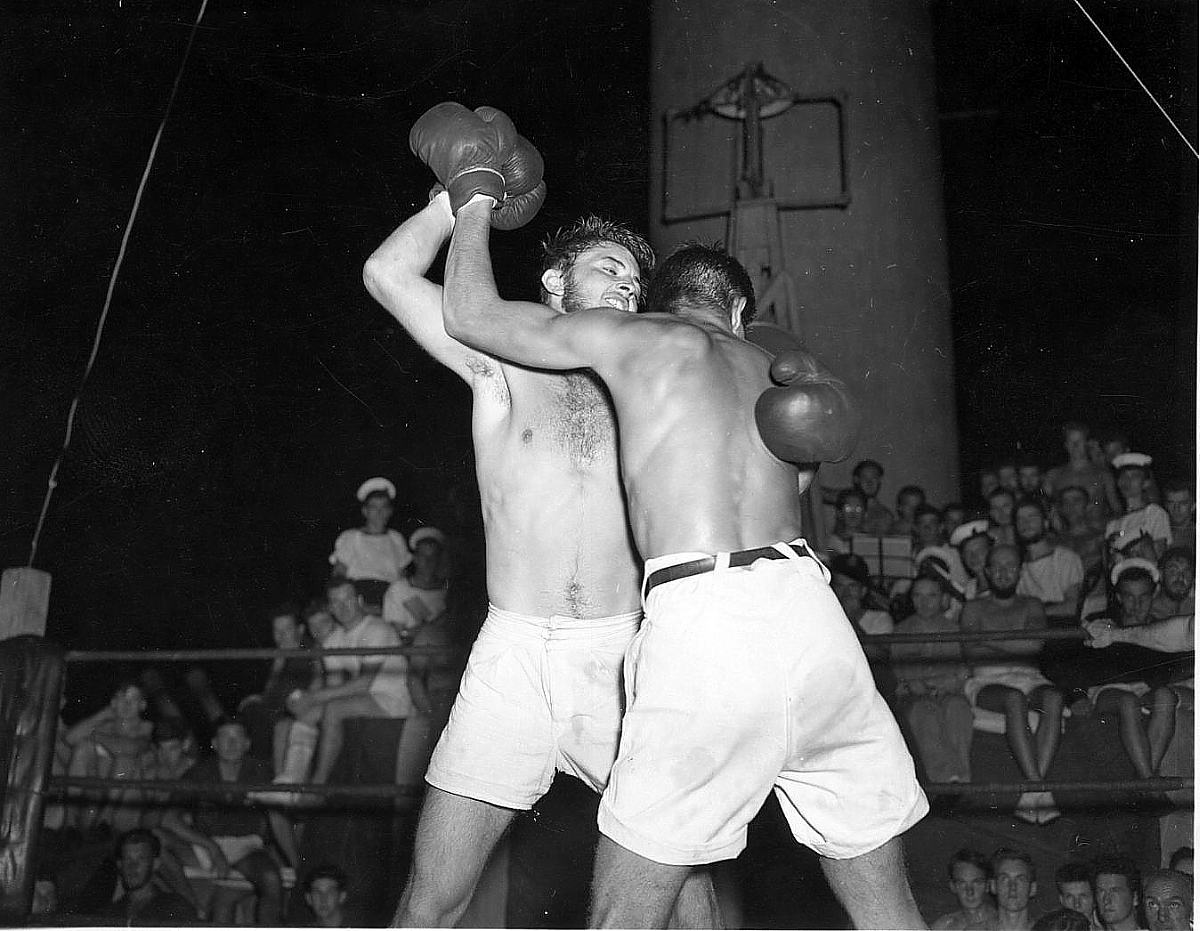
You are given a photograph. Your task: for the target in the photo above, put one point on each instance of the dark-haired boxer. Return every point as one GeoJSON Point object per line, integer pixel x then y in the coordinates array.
{"type": "Point", "coordinates": [745, 675]}
{"type": "Point", "coordinates": [542, 690]}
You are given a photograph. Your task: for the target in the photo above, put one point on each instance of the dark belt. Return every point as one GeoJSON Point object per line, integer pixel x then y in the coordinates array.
{"type": "Point", "coordinates": [709, 563]}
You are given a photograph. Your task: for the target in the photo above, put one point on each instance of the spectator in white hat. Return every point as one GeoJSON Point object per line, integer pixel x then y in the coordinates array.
{"type": "Point", "coordinates": [1144, 529]}
{"type": "Point", "coordinates": [372, 556]}
{"type": "Point", "coordinates": [973, 543]}
{"type": "Point", "coordinates": [418, 597]}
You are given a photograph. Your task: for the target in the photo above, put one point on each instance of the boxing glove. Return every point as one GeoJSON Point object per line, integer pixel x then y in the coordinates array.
{"type": "Point", "coordinates": [810, 417]}
{"type": "Point", "coordinates": [481, 152]}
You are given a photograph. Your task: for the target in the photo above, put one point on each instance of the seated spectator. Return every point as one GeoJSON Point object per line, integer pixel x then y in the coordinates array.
{"type": "Point", "coordinates": [1001, 503]}
{"type": "Point", "coordinates": [868, 478]}
{"type": "Point", "coordinates": [1074, 882]}
{"type": "Point", "coordinates": [1062, 919]}
{"type": "Point", "coordinates": [373, 687]}
{"type": "Point", "coordinates": [851, 583]}
{"type": "Point", "coordinates": [1180, 506]}
{"type": "Point", "coordinates": [1075, 530]}
{"type": "Point", "coordinates": [112, 744]}
{"type": "Point", "coordinates": [372, 556]}
{"type": "Point", "coordinates": [929, 687]}
{"type": "Point", "coordinates": [1177, 593]}
{"type": "Point", "coordinates": [141, 902]}
{"type": "Point", "coordinates": [1051, 574]}
{"type": "Point", "coordinates": [850, 518]}
{"type": "Point", "coordinates": [174, 754]}
{"type": "Point", "coordinates": [325, 895]}
{"type": "Point", "coordinates": [1081, 470]}
{"type": "Point", "coordinates": [1116, 885]}
{"type": "Point", "coordinates": [954, 515]}
{"type": "Point", "coordinates": [908, 499]}
{"type": "Point", "coordinates": [419, 595]}
{"type": "Point", "coordinates": [929, 541]}
{"type": "Point", "coordinates": [265, 714]}
{"type": "Point", "coordinates": [1120, 685]}
{"type": "Point", "coordinates": [1167, 900]}
{"type": "Point", "coordinates": [1014, 883]}
{"type": "Point", "coordinates": [1116, 443]}
{"type": "Point", "coordinates": [970, 874]}
{"type": "Point", "coordinates": [988, 482]}
{"type": "Point", "coordinates": [226, 838]}
{"type": "Point", "coordinates": [1005, 677]}
{"type": "Point", "coordinates": [210, 711]}
{"type": "Point", "coordinates": [1181, 860]}
{"type": "Point", "coordinates": [1142, 524]}
{"type": "Point", "coordinates": [973, 543]}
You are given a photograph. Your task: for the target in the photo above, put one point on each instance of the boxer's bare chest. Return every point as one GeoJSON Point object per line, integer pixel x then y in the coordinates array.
{"type": "Point", "coordinates": [566, 417]}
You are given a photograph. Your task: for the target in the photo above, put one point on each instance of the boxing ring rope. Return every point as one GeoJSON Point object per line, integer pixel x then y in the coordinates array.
{"type": "Point", "coordinates": [59, 785]}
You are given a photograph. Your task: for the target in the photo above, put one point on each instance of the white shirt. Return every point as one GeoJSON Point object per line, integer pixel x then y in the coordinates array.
{"type": "Point", "coordinates": [371, 555]}
{"type": "Point", "coordinates": [1048, 578]}
{"type": "Point", "coordinates": [371, 631]}
{"type": "Point", "coordinates": [1152, 519]}
{"type": "Point", "coordinates": [395, 611]}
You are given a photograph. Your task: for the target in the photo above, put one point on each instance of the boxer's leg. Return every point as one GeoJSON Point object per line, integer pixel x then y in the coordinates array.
{"type": "Point", "coordinates": [455, 838]}
{"type": "Point", "coordinates": [873, 888]}
{"type": "Point", "coordinates": [630, 891]}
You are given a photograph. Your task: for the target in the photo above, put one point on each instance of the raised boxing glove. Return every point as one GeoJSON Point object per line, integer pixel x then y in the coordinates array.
{"type": "Point", "coordinates": [481, 152]}
{"type": "Point", "coordinates": [810, 417]}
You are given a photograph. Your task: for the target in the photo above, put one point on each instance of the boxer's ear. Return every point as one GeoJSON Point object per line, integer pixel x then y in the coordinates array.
{"type": "Point", "coordinates": [735, 315]}
{"type": "Point", "coordinates": [554, 281]}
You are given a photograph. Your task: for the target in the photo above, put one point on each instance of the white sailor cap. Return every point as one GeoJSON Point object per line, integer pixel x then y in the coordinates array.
{"type": "Point", "coordinates": [426, 533]}
{"type": "Point", "coordinates": [372, 485]}
{"type": "Point", "coordinates": [1126, 460]}
{"type": "Point", "coordinates": [930, 552]}
{"type": "Point", "coordinates": [972, 528]}
{"type": "Point", "coordinates": [1134, 562]}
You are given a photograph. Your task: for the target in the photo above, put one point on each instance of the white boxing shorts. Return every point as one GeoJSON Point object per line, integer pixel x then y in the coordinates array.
{"type": "Point", "coordinates": [539, 695]}
{"type": "Point", "coordinates": [742, 680]}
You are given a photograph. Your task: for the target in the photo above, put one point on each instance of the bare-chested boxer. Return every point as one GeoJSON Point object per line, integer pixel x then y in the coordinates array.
{"type": "Point", "coordinates": [746, 675]}
{"type": "Point", "coordinates": [542, 690]}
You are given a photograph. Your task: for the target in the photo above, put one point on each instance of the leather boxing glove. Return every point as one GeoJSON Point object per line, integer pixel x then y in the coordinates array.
{"type": "Point", "coordinates": [810, 417]}
{"type": "Point", "coordinates": [481, 152]}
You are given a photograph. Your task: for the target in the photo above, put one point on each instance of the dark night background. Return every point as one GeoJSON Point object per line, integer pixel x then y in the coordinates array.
{"type": "Point", "coordinates": [246, 382]}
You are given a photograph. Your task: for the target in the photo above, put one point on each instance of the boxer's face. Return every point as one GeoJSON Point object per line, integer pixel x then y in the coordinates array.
{"type": "Point", "coordinates": [606, 275]}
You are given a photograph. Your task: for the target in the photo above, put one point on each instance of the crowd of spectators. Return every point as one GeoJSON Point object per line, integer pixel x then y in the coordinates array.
{"type": "Point", "coordinates": [1109, 893]}
{"type": "Point", "coordinates": [384, 590]}
{"type": "Point", "coordinates": [1094, 544]}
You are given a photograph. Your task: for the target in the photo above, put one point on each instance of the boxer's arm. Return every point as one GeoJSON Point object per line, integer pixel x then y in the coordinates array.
{"type": "Point", "coordinates": [523, 332]}
{"type": "Point", "coordinates": [395, 276]}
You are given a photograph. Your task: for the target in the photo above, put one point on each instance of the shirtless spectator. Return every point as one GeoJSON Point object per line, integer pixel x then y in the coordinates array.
{"type": "Point", "coordinates": [418, 597]}
{"type": "Point", "coordinates": [685, 385]}
{"type": "Point", "coordinates": [1177, 593]}
{"type": "Point", "coordinates": [973, 543]}
{"type": "Point", "coordinates": [113, 743]}
{"type": "Point", "coordinates": [1180, 505]}
{"type": "Point", "coordinates": [1116, 885]}
{"type": "Point", "coordinates": [1167, 897]}
{"type": "Point", "coordinates": [868, 478]}
{"type": "Point", "coordinates": [1014, 883]}
{"type": "Point", "coordinates": [1005, 677]}
{"type": "Point", "coordinates": [373, 555]}
{"type": "Point", "coordinates": [1079, 469]}
{"type": "Point", "coordinates": [225, 838]}
{"type": "Point", "coordinates": [373, 687]}
{"type": "Point", "coordinates": [1075, 530]}
{"type": "Point", "coordinates": [850, 519]}
{"type": "Point", "coordinates": [1001, 504]}
{"type": "Point", "coordinates": [1074, 883]}
{"type": "Point", "coordinates": [908, 499]}
{"type": "Point", "coordinates": [1051, 574]}
{"type": "Point", "coordinates": [929, 686]}
{"type": "Point", "coordinates": [1143, 529]}
{"type": "Point", "coordinates": [970, 874]}
{"type": "Point", "coordinates": [265, 714]}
